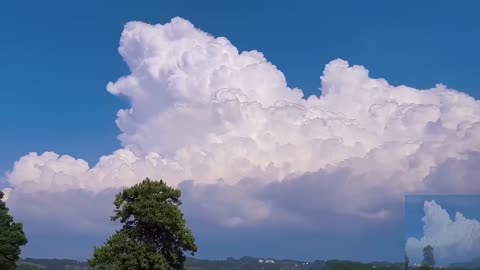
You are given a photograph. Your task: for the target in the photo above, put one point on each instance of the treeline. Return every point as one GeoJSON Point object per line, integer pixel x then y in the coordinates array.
{"type": "Point", "coordinates": [245, 263]}
{"type": "Point", "coordinates": [51, 264]}
{"type": "Point", "coordinates": [250, 263]}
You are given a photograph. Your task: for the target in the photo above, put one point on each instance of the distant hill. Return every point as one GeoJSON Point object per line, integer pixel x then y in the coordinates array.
{"type": "Point", "coordinates": [51, 264]}
{"type": "Point", "coordinates": [474, 264]}
{"type": "Point", "coordinates": [251, 263]}
{"type": "Point", "coordinates": [244, 263]}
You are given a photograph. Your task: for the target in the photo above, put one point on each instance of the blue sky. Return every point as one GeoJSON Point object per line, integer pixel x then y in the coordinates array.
{"type": "Point", "coordinates": [58, 56]}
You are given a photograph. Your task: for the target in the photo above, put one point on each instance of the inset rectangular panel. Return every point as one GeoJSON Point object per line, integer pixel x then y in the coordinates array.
{"type": "Point", "coordinates": [443, 230]}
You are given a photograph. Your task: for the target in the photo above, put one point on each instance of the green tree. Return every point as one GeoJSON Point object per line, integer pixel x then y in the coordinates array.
{"type": "Point", "coordinates": [154, 235]}
{"type": "Point", "coordinates": [12, 238]}
{"type": "Point", "coordinates": [406, 261]}
{"type": "Point", "coordinates": [428, 258]}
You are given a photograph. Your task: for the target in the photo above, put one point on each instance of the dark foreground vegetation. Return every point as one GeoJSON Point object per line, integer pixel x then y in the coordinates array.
{"type": "Point", "coordinates": [245, 263]}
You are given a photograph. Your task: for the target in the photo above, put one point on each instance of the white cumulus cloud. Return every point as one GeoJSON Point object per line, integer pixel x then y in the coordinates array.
{"type": "Point", "coordinates": [203, 111]}
{"type": "Point", "coordinates": [456, 240]}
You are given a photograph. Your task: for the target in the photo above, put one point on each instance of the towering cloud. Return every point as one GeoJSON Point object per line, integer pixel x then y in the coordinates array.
{"type": "Point", "coordinates": [247, 150]}
{"type": "Point", "coordinates": [456, 240]}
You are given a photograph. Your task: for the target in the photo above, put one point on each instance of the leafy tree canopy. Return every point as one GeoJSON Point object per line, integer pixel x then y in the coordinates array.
{"type": "Point", "coordinates": [428, 258]}
{"type": "Point", "coordinates": [12, 238]}
{"type": "Point", "coordinates": [406, 261]}
{"type": "Point", "coordinates": [154, 234]}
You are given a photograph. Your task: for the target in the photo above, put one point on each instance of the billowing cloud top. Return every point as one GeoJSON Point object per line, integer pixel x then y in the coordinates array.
{"type": "Point", "coordinates": [200, 110]}
{"type": "Point", "coordinates": [455, 240]}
